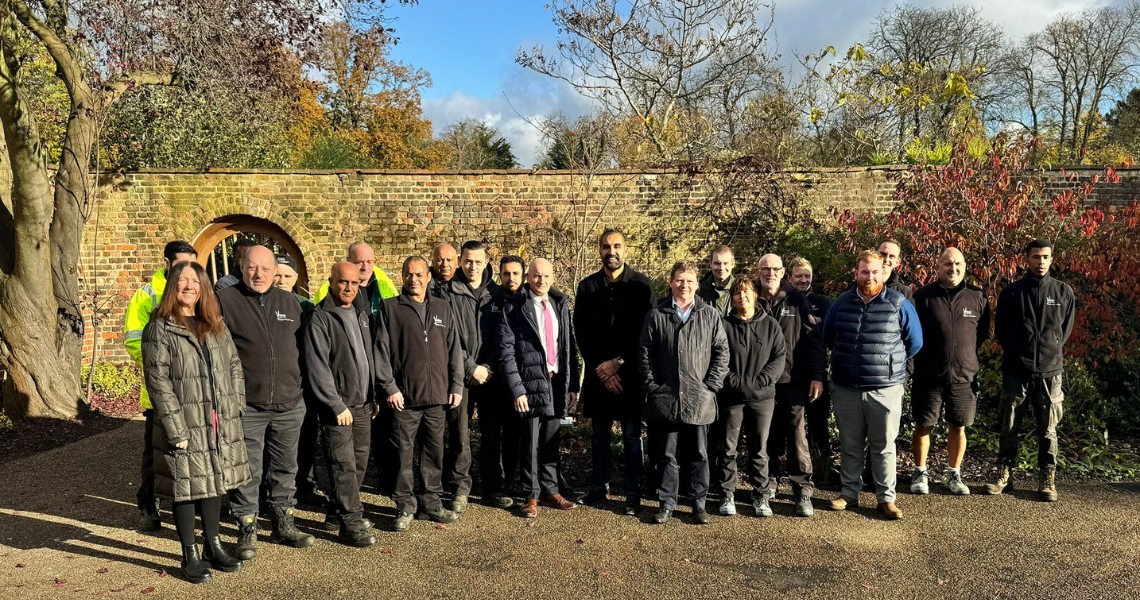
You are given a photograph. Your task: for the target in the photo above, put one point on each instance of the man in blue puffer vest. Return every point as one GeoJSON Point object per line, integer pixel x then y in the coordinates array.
{"type": "Point", "coordinates": [872, 332]}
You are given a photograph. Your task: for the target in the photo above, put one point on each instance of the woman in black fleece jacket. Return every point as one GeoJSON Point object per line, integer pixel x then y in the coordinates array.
{"type": "Point", "coordinates": [756, 361]}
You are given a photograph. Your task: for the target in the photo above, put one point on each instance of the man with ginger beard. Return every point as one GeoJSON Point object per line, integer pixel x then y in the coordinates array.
{"type": "Point", "coordinates": [872, 331]}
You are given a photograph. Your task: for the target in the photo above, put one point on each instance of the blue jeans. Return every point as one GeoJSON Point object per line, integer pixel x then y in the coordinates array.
{"type": "Point", "coordinates": [603, 460]}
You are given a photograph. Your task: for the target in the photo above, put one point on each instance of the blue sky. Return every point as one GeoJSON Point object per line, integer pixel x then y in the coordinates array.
{"type": "Point", "coordinates": [469, 47]}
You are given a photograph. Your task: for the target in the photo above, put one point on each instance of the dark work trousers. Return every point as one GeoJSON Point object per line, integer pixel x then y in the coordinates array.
{"type": "Point", "coordinates": [755, 417]}
{"type": "Point", "coordinates": [673, 444]}
{"type": "Point", "coordinates": [789, 436]}
{"type": "Point", "coordinates": [307, 447]}
{"type": "Point", "coordinates": [818, 418]}
{"type": "Point", "coordinates": [145, 496]}
{"type": "Point", "coordinates": [385, 454]}
{"type": "Point", "coordinates": [346, 451]}
{"type": "Point", "coordinates": [602, 460]}
{"type": "Point", "coordinates": [457, 451]}
{"type": "Point", "coordinates": [429, 424]}
{"type": "Point", "coordinates": [499, 437]}
{"type": "Point", "coordinates": [1044, 398]}
{"type": "Point", "coordinates": [271, 443]}
{"type": "Point", "coordinates": [539, 441]}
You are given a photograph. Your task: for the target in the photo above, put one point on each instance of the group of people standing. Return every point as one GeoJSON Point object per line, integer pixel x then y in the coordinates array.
{"type": "Point", "coordinates": [243, 378]}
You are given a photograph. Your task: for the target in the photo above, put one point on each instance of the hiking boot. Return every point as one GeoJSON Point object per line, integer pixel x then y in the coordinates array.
{"type": "Point", "coordinates": [843, 503]}
{"type": "Point", "coordinates": [357, 538]}
{"type": "Point", "coordinates": [216, 555]}
{"type": "Point", "coordinates": [632, 505]}
{"type": "Point", "coordinates": [459, 504]}
{"type": "Point", "coordinates": [286, 532]}
{"type": "Point", "coordinates": [728, 505]}
{"type": "Point", "coordinates": [247, 537]}
{"type": "Point", "coordinates": [920, 482]}
{"type": "Point", "coordinates": [501, 501]}
{"type": "Point", "coordinates": [1004, 479]}
{"type": "Point", "coordinates": [596, 495]}
{"type": "Point", "coordinates": [804, 507]}
{"type": "Point", "coordinates": [529, 509]}
{"type": "Point", "coordinates": [889, 511]}
{"type": "Point", "coordinates": [558, 502]}
{"type": "Point", "coordinates": [1047, 488]}
{"type": "Point", "coordinates": [700, 515]}
{"type": "Point", "coordinates": [955, 485]}
{"type": "Point", "coordinates": [335, 523]}
{"type": "Point", "coordinates": [195, 569]}
{"type": "Point", "coordinates": [149, 521]}
{"type": "Point", "coordinates": [662, 515]}
{"type": "Point", "coordinates": [440, 515]}
{"type": "Point", "coordinates": [760, 506]}
{"type": "Point", "coordinates": [402, 522]}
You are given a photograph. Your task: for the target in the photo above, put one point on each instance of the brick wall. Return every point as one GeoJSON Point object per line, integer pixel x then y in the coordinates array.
{"type": "Point", "coordinates": [554, 214]}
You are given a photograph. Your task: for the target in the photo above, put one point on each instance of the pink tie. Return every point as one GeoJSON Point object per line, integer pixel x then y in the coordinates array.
{"type": "Point", "coordinates": [548, 326]}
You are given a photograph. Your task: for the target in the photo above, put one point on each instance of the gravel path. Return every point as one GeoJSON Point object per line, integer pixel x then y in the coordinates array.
{"type": "Point", "coordinates": [66, 518]}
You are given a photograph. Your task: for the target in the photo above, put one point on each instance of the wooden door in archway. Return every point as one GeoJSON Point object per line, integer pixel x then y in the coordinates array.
{"type": "Point", "coordinates": [215, 245]}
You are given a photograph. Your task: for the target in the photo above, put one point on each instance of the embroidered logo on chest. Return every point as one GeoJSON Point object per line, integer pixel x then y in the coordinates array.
{"type": "Point", "coordinates": [1050, 301]}
{"type": "Point", "coordinates": [786, 312]}
{"type": "Point", "coordinates": [969, 314]}
{"type": "Point", "coordinates": [283, 317]}
{"type": "Point", "coordinates": [438, 322]}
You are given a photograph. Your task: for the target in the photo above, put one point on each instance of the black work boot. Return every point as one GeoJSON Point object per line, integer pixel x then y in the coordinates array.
{"type": "Point", "coordinates": [149, 521]}
{"type": "Point", "coordinates": [285, 532]}
{"type": "Point", "coordinates": [213, 551]}
{"type": "Point", "coordinates": [193, 566]}
{"type": "Point", "coordinates": [357, 538]}
{"type": "Point", "coordinates": [247, 537]}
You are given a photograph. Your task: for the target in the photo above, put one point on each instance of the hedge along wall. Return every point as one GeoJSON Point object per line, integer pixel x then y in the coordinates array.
{"type": "Point", "coordinates": [556, 214]}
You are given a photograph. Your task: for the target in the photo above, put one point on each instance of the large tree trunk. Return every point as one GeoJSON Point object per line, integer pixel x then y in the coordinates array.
{"type": "Point", "coordinates": [40, 344]}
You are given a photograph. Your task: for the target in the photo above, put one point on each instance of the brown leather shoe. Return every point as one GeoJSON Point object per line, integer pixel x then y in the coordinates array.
{"type": "Point", "coordinates": [842, 502]}
{"type": "Point", "coordinates": [889, 511]}
{"type": "Point", "coordinates": [557, 501]}
{"type": "Point", "coordinates": [529, 509]}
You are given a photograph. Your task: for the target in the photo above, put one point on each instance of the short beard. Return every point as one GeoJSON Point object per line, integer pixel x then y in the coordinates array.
{"type": "Point", "coordinates": [869, 289]}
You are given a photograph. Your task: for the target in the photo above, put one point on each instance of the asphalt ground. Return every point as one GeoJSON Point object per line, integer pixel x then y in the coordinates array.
{"type": "Point", "coordinates": [66, 519]}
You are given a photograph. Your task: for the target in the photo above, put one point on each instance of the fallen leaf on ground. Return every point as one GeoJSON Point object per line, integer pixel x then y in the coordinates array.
{"type": "Point", "coordinates": [941, 581]}
{"type": "Point", "coordinates": [580, 541]}
{"type": "Point", "coordinates": [868, 586]}
{"type": "Point", "coordinates": [289, 573]}
{"type": "Point", "coordinates": [162, 573]}
{"type": "Point", "coordinates": [101, 570]}
{"type": "Point", "coordinates": [20, 565]}
{"type": "Point", "coordinates": [386, 551]}
{"type": "Point", "coordinates": [147, 590]}
{"type": "Point", "coordinates": [605, 573]}
{"type": "Point", "coordinates": [60, 582]}
{"type": "Point", "coordinates": [441, 526]}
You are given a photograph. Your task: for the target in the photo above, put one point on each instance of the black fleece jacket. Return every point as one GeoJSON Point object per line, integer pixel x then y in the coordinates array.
{"type": "Point", "coordinates": [266, 330]}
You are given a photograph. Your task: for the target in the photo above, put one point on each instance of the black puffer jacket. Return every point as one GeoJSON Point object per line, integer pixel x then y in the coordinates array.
{"type": "Point", "coordinates": [472, 308]}
{"type": "Point", "coordinates": [806, 357]}
{"type": "Point", "coordinates": [266, 331]}
{"type": "Point", "coordinates": [522, 359]}
{"type": "Point", "coordinates": [188, 386]}
{"type": "Point", "coordinates": [955, 323]}
{"type": "Point", "coordinates": [756, 359]}
{"type": "Point", "coordinates": [1034, 320]}
{"type": "Point", "coordinates": [426, 358]}
{"type": "Point", "coordinates": [682, 365]}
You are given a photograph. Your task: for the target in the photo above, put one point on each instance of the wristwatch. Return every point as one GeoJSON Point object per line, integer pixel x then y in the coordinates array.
{"type": "Point", "coordinates": [621, 361]}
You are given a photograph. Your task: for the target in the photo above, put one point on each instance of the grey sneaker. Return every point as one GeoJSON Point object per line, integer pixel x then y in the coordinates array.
{"type": "Point", "coordinates": [955, 485]}
{"type": "Point", "coordinates": [728, 506]}
{"type": "Point", "coordinates": [403, 521]}
{"type": "Point", "coordinates": [760, 506]}
{"type": "Point", "coordinates": [804, 507]}
{"type": "Point", "coordinates": [920, 482]}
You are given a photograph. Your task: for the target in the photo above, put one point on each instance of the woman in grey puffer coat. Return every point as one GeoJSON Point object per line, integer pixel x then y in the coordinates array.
{"type": "Point", "coordinates": [195, 382]}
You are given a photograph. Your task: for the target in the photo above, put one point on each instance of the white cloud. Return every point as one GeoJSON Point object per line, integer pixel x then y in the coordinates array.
{"type": "Point", "coordinates": [526, 96]}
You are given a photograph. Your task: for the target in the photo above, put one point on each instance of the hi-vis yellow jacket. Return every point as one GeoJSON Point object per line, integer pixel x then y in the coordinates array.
{"type": "Point", "coordinates": [380, 283]}
{"type": "Point", "coordinates": [138, 315]}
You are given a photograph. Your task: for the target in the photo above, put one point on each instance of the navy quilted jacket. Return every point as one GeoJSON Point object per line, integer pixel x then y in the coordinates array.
{"type": "Point", "coordinates": [871, 342]}
{"type": "Point", "coordinates": [523, 360]}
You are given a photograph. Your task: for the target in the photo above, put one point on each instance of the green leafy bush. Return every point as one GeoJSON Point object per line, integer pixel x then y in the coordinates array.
{"type": "Point", "coordinates": [115, 381]}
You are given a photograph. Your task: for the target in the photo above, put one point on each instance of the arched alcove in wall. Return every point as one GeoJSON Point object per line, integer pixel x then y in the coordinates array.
{"type": "Point", "coordinates": [215, 242]}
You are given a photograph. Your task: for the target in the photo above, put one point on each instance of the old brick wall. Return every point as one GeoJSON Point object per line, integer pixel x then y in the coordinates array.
{"type": "Point", "coordinates": [552, 214]}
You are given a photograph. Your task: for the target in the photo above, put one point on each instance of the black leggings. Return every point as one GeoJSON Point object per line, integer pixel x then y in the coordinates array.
{"type": "Point", "coordinates": [210, 509]}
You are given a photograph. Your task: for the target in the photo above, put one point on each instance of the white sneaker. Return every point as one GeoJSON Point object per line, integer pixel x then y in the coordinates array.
{"type": "Point", "coordinates": [920, 482]}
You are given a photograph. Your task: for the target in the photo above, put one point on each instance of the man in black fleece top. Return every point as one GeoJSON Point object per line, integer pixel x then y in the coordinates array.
{"type": "Point", "coordinates": [265, 323]}
{"type": "Point", "coordinates": [1034, 320]}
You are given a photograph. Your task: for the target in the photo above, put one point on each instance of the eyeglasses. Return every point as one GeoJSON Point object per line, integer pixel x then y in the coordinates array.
{"type": "Point", "coordinates": [770, 269]}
